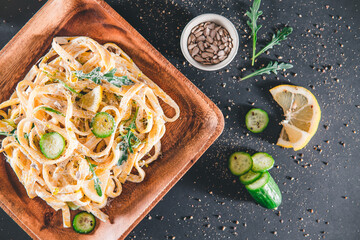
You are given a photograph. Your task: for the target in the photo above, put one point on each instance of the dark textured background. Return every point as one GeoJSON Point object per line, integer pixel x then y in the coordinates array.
{"type": "Point", "coordinates": [320, 188]}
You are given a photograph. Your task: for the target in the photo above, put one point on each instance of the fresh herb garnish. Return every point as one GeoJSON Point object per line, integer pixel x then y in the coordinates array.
{"type": "Point", "coordinates": [117, 81]}
{"type": "Point", "coordinates": [276, 39]}
{"type": "Point", "coordinates": [129, 141]}
{"type": "Point", "coordinates": [6, 134]}
{"type": "Point", "coordinates": [95, 75]}
{"type": "Point", "coordinates": [69, 88]}
{"type": "Point", "coordinates": [271, 67]}
{"type": "Point", "coordinates": [12, 133]}
{"type": "Point", "coordinates": [95, 178]}
{"type": "Point", "coordinates": [49, 109]}
{"type": "Point", "coordinates": [254, 14]}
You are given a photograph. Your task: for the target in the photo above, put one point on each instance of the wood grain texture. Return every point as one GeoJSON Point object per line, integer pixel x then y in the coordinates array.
{"type": "Point", "coordinates": [200, 122]}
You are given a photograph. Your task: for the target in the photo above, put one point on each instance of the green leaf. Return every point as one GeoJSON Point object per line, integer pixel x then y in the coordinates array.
{"type": "Point", "coordinates": [68, 87]}
{"type": "Point", "coordinates": [253, 15]}
{"type": "Point", "coordinates": [271, 67]}
{"type": "Point", "coordinates": [49, 109]}
{"type": "Point", "coordinates": [124, 155]}
{"type": "Point", "coordinates": [97, 186]}
{"type": "Point", "coordinates": [5, 134]}
{"type": "Point", "coordinates": [96, 76]}
{"type": "Point", "coordinates": [276, 39]}
{"type": "Point", "coordinates": [129, 141]}
{"type": "Point", "coordinates": [95, 178]}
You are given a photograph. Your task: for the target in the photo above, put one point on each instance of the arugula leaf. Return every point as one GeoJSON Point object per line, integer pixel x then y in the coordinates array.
{"type": "Point", "coordinates": [253, 15]}
{"type": "Point", "coordinates": [95, 178]}
{"type": "Point", "coordinates": [129, 141]}
{"type": "Point", "coordinates": [123, 146]}
{"type": "Point", "coordinates": [271, 67]}
{"type": "Point", "coordinates": [95, 75]}
{"type": "Point", "coordinates": [69, 88]}
{"type": "Point", "coordinates": [276, 39]}
{"type": "Point", "coordinates": [49, 109]}
{"type": "Point", "coordinates": [12, 133]}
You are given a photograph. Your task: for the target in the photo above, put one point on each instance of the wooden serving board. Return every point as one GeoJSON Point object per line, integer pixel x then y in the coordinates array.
{"type": "Point", "coordinates": [200, 123]}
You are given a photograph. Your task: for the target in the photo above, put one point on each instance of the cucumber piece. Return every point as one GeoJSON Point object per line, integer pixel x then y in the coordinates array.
{"type": "Point", "coordinates": [262, 162]}
{"type": "Point", "coordinates": [256, 120]}
{"type": "Point", "coordinates": [52, 145]}
{"type": "Point", "coordinates": [102, 125]}
{"type": "Point", "coordinates": [249, 177]}
{"type": "Point", "coordinates": [84, 222]}
{"type": "Point", "coordinates": [240, 163]}
{"type": "Point", "coordinates": [265, 191]}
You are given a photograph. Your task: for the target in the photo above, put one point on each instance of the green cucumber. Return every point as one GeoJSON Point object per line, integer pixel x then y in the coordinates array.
{"type": "Point", "coordinates": [240, 163]}
{"type": "Point", "coordinates": [84, 222]}
{"type": "Point", "coordinates": [52, 145]}
{"type": "Point", "coordinates": [249, 177]}
{"type": "Point", "coordinates": [256, 120]}
{"type": "Point", "coordinates": [262, 162]}
{"type": "Point", "coordinates": [102, 125]}
{"type": "Point", "coordinates": [265, 191]}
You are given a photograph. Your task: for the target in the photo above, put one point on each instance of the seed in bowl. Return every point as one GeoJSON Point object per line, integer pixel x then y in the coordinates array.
{"type": "Point", "coordinates": [209, 43]}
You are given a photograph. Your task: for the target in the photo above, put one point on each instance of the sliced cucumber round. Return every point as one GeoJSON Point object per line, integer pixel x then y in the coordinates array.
{"type": "Point", "coordinates": [52, 145]}
{"type": "Point", "coordinates": [84, 222]}
{"type": "Point", "coordinates": [249, 177]}
{"type": "Point", "coordinates": [240, 163]}
{"type": "Point", "coordinates": [256, 120]}
{"type": "Point", "coordinates": [262, 162]}
{"type": "Point", "coordinates": [102, 125]}
{"type": "Point", "coordinates": [265, 191]}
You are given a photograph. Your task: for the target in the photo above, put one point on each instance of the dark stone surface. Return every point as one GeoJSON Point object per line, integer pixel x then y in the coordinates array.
{"type": "Point", "coordinates": [325, 51]}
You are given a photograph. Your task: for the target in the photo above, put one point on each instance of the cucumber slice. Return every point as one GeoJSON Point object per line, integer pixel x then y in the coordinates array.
{"type": "Point", "coordinates": [262, 162]}
{"type": "Point", "coordinates": [265, 191]}
{"type": "Point", "coordinates": [52, 145]}
{"type": "Point", "coordinates": [240, 163]}
{"type": "Point", "coordinates": [102, 125]}
{"type": "Point", "coordinates": [256, 120]}
{"type": "Point", "coordinates": [84, 222]}
{"type": "Point", "coordinates": [249, 177]}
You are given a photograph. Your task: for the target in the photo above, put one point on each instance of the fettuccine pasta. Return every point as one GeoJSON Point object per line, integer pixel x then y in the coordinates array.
{"type": "Point", "coordinates": [82, 122]}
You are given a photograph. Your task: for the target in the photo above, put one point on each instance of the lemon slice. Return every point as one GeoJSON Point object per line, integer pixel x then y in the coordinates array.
{"type": "Point", "coordinates": [91, 101]}
{"type": "Point", "coordinates": [302, 115]}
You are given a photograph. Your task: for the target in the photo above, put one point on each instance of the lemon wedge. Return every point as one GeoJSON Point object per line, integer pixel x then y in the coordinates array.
{"type": "Point", "coordinates": [91, 101]}
{"type": "Point", "coordinates": [302, 115]}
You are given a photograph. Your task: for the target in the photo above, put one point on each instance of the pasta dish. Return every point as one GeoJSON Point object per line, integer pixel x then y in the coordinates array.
{"type": "Point", "coordinates": [82, 122]}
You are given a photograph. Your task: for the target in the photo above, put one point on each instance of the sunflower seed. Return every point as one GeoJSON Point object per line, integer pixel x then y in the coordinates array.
{"type": "Point", "coordinates": [221, 53]}
{"type": "Point", "coordinates": [200, 38]}
{"type": "Point", "coordinates": [191, 46]}
{"type": "Point", "coordinates": [210, 50]}
{"type": "Point", "coordinates": [195, 51]}
{"type": "Point", "coordinates": [198, 34]}
{"type": "Point", "coordinates": [222, 58]}
{"type": "Point", "coordinates": [201, 46]}
{"type": "Point", "coordinates": [198, 58]}
{"type": "Point", "coordinates": [194, 29]}
{"type": "Point", "coordinates": [209, 39]}
{"type": "Point", "coordinates": [207, 32]}
{"type": "Point", "coordinates": [214, 47]}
